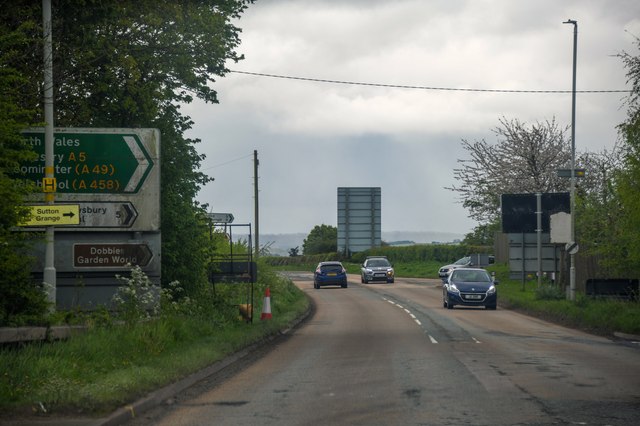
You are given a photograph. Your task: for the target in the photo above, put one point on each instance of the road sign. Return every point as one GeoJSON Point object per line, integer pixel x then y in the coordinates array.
{"type": "Point", "coordinates": [91, 162]}
{"type": "Point", "coordinates": [566, 173]}
{"type": "Point", "coordinates": [110, 255]}
{"type": "Point", "coordinates": [95, 214]}
{"type": "Point", "coordinates": [572, 247]}
{"type": "Point", "coordinates": [220, 217]}
{"type": "Point", "coordinates": [49, 184]}
{"type": "Point", "coordinates": [52, 215]}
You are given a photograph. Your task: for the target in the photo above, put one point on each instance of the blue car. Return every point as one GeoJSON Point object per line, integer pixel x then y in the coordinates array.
{"type": "Point", "coordinates": [330, 273]}
{"type": "Point", "coordinates": [470, 287]}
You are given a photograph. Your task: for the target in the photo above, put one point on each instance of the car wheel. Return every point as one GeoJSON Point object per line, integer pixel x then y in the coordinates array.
{"type": "Point", "coordinates": [449, 304]}
{"type": "Point", "coordinates": [345, 285]}
{"type": "Point", "coordinates": [390, 281]}
{"type": "Point", "coordinates": [492, 307]}
{"type": "Point", "coordinates": [366, 281]}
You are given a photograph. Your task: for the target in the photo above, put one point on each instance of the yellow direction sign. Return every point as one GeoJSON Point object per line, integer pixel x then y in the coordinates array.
{"type": "Point", "coordinates": [52, 215]}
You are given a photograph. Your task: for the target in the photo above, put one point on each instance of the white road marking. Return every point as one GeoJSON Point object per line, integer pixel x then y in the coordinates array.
{"type": "Point", "coordinates": [415, 319]}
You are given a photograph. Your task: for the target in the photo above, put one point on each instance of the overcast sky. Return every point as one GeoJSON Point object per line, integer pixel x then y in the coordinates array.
{"type": "Point", "coordinates": [313, 137]}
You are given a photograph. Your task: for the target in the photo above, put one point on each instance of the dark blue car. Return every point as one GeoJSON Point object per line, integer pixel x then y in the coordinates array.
{"type": "Point", "coordinates": [470, 287]}
{"type": "Point", "coordinates": [330, 273]}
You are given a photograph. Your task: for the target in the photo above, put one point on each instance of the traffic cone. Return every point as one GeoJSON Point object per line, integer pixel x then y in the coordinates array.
{"type": "Point", "coordinates": [266, 306]}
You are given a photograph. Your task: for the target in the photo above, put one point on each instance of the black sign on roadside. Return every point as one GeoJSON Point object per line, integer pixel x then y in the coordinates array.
{"type": "Point", "coordinates": [519, 211]}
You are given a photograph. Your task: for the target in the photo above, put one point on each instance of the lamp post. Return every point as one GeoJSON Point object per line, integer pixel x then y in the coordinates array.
{"type": "Point", "coordinates": [572, 270]}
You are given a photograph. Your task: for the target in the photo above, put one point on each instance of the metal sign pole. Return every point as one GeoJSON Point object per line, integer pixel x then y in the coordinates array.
{"type": "Point", "coordinates": [572, 269]}
{"type": "Point", "coordinates": [539, 235]}
{"type": "Point", "coordinates": [49, 273]}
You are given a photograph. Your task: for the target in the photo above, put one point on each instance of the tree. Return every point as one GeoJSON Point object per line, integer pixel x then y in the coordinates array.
{"type": "Point", "coordinates": [294, 251]}
{"type": "Point", "coordinates": [629, 178]}
{"type": "Point", "coordinates": [597, 209]}
{"type": "Point", "coordinates": [482, 235]}
{"type": "Point", "coordinates": [131, 64]}
{"type": "Point", "coordinates": [524, 160]}
{"type": "Point", "coordinates": [321, 239]}
{"type": "Point", "coordinates": [21, 300]}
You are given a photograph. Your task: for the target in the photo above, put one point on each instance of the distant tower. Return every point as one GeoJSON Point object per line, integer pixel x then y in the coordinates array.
{"type": "Point", "coordinates": [359, 219]}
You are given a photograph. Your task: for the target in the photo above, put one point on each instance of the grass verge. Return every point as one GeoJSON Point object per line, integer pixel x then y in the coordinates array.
{"type": "Point", "coordinates": [111, 365]}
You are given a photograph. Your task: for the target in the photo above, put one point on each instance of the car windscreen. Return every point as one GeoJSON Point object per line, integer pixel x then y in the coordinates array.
{"type": "Point", "coordinates": [376, 263]}
{"type": "Point", "coordinates": [470, 276]}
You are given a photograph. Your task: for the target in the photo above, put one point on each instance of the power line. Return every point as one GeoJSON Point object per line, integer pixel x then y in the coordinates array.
{"type": "Point", "coordinates": [226, 162]}
{"type": "Point", "coordinates": [402, 86]}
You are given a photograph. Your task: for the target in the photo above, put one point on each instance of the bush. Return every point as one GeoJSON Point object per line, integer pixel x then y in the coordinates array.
{"type": "Point", "coordinates": [443, 253]}
{"type": "Point", "coordinates": [550, 292]}
{"type": "Point", "coordinates": [22, 301]}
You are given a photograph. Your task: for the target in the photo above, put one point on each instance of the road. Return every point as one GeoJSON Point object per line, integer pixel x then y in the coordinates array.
{"type": "Point", "coordinates": [390, 354]}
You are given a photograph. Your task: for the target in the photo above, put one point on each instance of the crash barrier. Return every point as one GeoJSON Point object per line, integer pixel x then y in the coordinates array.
{"type": "Point", "coordinates": [31, 334]}
{"type": "Point", "coordinates": [614, 288]}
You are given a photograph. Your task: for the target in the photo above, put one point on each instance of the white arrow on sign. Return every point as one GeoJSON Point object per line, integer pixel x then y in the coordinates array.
{"type": "Point", "coordinates": [143, 164]}
{"type": "Point", "coordinates": [220, 217]}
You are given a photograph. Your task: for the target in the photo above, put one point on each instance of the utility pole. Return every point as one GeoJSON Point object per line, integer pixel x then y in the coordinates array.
{"type": "Point", "coordinates": [572, 269]}
{"type": "Point", "coordinates": [255, 200]}
{"type": "Point", "coordinates": [49, 183]}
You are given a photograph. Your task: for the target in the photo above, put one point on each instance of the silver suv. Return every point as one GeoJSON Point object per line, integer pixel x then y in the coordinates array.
{"type": "Point", "coordinates": [460, 263]}
{"type": "Point", "coordinates": [376, 268]}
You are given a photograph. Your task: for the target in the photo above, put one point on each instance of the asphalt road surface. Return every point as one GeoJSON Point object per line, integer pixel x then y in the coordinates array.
{"type": "Point", "coordinates": [390, 354]}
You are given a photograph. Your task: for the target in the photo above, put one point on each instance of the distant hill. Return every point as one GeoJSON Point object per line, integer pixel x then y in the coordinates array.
{"type": "Point", "coordinates": [280, 244]}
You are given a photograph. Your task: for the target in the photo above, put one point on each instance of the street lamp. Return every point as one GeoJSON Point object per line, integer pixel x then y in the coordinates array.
{"type": "Point", "coordinates": [572, 270]}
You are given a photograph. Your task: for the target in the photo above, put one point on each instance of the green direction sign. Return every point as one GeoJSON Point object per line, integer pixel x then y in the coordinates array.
{"type": "Point", "coordinates": [95, 163]}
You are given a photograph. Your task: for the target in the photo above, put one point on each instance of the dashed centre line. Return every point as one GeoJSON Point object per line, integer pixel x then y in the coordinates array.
{"type": "Point", "coordinates": [415, 319]}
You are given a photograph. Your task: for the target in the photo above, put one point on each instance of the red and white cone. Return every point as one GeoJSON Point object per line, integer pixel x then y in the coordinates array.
{"type": "Point", "coordinates": [266, 306]}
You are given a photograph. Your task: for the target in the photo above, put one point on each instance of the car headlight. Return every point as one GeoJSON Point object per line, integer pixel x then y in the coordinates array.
{"type": "Point", "coordinates": [491, 290]}
{"type": "Point", "coordinates": [368, 271]}
{"type": "Point", "coordinates": [453, 288]}
{"type": "Point", "coordinates": [390, 272]}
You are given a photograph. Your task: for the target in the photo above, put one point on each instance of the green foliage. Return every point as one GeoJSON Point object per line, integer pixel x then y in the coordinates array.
{"type": "Point", "coordinates": [550, 292]}
{"type": "Point", "coordinates": [124, 65]}
{"type": "Point", "coordinates": [595, 315]}
{"type": "Point", "coordinates": [137, 298]}
{"type": "Point", "coordinates": [483, 234]}
{"type": "Point", "coordinates": [321, 239]}
{"type": "Point", "coordinates": [294, 251]}
{"type": "Point", "coordinates": [111, 365]}
{"type": "Point", "coordinates": [21, 300]}
{"type": "Point", "coordinates": [608, 222]}
{"type": "Point", "coordinates": [444, 253]}
{"type": "Point", "coordinates": [629, 179]}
